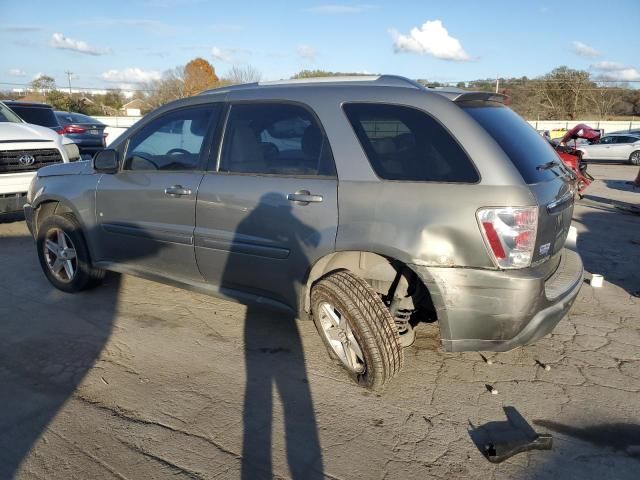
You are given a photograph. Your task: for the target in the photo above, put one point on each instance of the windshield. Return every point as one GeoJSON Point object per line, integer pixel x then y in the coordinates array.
{"type": "Point", "coordinates": [6, 115]}
{"type": "Point", "coordinates": [525, 147]}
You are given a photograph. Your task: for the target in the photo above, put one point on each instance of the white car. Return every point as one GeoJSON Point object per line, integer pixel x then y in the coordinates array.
{"type": "Point", "coordinates": [615, 146]}
{"type": "Point", "coordinates": [24, 148]}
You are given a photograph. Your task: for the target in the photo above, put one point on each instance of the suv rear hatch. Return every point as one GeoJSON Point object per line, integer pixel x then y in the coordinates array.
{"type": "Point", "coordinates": [549, 180]}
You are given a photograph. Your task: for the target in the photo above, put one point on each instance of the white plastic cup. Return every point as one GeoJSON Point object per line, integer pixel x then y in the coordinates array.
{"type": "Point", "coordinates": [596, 280]}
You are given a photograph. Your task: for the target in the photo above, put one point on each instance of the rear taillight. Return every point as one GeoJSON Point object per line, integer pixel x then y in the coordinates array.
{"type": "Point", "coordinates": [74, 129]}
{"type": "Point", "coordinates": [60, 131]}
{"type": "Point", "coordinates": [510, 234]}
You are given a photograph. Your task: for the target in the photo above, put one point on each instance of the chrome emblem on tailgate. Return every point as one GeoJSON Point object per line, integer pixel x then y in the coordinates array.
{"type": "Point", "coordinates": [26, 160]}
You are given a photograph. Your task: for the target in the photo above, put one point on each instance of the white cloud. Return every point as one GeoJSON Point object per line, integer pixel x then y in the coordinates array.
{"type": "Point", "coordinates": [607, 66]}
{"type": "Point", "coordinates": [306, 52]}
{"type": "Point", "coordinates": [584, 50]}
{"type": "Point", "coordinates": [16, 72]}
{"type": "Point", "coordinates": [58, 40]}
{"type": "Point", "coordinates": [432, 38]}
{"type": "Point", "coordinates": [333, 9]}
{"type": "Point", "coordinates": [614, 71]}
{"type": "Point", "coordinates": [230, 55]}
{"type": "Point", "coordinates": [222, 55]}
{"type": "Point", "coordinates": [130, 75]}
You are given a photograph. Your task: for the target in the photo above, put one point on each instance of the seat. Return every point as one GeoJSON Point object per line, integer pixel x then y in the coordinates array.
{"type": "Point", "coordinates": [245, 155]}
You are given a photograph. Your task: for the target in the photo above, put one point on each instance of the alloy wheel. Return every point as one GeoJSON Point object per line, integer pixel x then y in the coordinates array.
{"type": "Point", "coordinates": [60, 255]}
{"type": "Point", "coordinates": [340, 337]}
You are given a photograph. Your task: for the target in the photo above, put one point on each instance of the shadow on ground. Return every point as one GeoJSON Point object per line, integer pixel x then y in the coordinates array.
{"type": "Point", "coordinates": [612, 249]}
{"type": "Point", "coordinates": [49, 340]}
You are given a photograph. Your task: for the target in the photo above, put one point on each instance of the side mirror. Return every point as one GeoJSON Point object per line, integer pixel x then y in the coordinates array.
{"type": "Point", "coordinates": [106, 161]}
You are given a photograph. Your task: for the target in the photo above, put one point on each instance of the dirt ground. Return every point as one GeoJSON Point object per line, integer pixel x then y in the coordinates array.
{"type": "Point", "coordinates": [138, 380]}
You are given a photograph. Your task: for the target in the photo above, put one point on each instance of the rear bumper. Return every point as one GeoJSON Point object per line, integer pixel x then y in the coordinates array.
{"type": "Point", "coordinates": [499, 310]}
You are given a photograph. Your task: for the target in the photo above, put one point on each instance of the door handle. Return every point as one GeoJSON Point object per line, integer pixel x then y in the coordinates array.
{"type": "Point", "coordinates": [304, 197]}
{"type": "Point", "coordinates": [177, 190]}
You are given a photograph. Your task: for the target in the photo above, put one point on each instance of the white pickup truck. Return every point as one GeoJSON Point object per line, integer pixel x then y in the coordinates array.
{"type": "Point", "coordinates": [24, 148]}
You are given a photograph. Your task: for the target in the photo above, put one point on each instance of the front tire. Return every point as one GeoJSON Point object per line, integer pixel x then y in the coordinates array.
{"type": "Point", "coordinates": [634, 158]}
{"type": "Point", "coordinates": [64, 256]}
{"type": "Point", "coordinates": [357, 329]}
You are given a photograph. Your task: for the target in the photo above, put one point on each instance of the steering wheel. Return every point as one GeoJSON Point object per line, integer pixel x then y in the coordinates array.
{"type": "Point", "coordinates": [181, 151]}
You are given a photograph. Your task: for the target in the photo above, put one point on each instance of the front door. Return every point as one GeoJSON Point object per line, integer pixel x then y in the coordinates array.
{"type": "Point", "coordinates": [146, 211]}
{"type": "Point", "coordinates": [270, 210]}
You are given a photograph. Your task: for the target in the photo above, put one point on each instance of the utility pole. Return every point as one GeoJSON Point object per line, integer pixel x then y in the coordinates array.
{"type": "Point", "coordinates": [69, 79]}
{"type": "Point", "coordinates": [497, 83]}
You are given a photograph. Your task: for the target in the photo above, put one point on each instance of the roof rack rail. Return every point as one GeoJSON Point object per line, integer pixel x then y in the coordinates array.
{"type": "Point", "coordinates": [383, 80]}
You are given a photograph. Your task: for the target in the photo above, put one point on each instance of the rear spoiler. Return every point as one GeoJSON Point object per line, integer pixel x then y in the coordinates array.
{"type": "Point", "coordinates": [459, 96]}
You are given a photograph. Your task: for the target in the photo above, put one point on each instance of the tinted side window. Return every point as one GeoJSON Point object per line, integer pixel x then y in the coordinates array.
{"type": "Point", "coordinates": [606, 140]}
{"type": "Point", "coordinates": [277, 139]}
{"type": "Point", "coordinates": [36, 115]}
{"type": "Point", "coordinates": [404, 143]}
{"type": "Point", "coordinates": [519, 140]}
{"type": "Point", "coordinates": [172, 142]}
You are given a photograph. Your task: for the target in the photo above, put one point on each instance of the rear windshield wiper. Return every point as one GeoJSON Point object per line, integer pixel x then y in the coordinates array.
{"type": "Point", "coordinates": [548, 165]}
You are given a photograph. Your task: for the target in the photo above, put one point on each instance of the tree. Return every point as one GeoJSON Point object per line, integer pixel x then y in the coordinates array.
{"type": "Point", "coordinates": [246, 74]}
{"type": "Point", "coordinates": [113, 99]}
{"type": "Point", "coordinates": [563, 92]}
{"type": "Point", "coordinates": [199, 75]}
{"type": "Point", "coordinates": [603, 100]}
{"type": "Point", "coordinates": [170, 87]}
{"type": "Point", "coordinates": [43, 84]}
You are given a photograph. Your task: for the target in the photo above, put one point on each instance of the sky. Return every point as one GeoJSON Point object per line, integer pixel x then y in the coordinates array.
{"type": "Point", "coordinates": [116, 44]}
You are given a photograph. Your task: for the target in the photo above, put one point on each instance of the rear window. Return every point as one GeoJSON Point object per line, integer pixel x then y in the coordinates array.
{"type": "Point", "coordinates": [522, 144]}
{"type": "Point", "coordinates": [36, 115]}
{"type": "Point", "coordinates": [404, 143]}
{"type": "Point", "coordinates": [66, 117]}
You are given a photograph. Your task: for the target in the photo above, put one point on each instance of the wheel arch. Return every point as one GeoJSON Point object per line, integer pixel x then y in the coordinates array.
{"type": "Point", "coordinates": [369, 265]}
{"type": "Point", "coordinates": [50, 206]}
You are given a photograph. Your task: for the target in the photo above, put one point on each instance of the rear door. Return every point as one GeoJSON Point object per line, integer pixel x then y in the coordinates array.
{"type": "Point", "coordinates": [269, 209]}
{"type": "Point", "coordinates": [146, 211]}
{"type": "Point", "coordinates": [541, 168]}
{"type": "Point", "coordinates": [622, 147]}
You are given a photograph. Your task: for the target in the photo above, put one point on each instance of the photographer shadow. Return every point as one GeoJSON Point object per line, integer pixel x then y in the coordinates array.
{"type": "Point", "coordinates": [274, 356]}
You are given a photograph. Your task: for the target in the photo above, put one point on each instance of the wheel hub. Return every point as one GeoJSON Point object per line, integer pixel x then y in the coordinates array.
{"type": "Point", "coordinates": [340, 338]}
{"type": "Point", "coordinates": [60, 255]}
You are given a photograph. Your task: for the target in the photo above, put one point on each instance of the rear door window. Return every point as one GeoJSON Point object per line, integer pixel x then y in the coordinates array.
{"type": "Point", "coordinates": [404, 143]}
{"type": "Point", "coordinates": [527, 150]}
{"type": "Point", "coordinates": [275, 139]}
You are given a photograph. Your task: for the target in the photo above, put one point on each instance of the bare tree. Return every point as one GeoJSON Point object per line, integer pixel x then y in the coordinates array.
{"type": "Point", "coordinates": [603, 100]}
{"type": "Point", "coordinates": [170, 87]}
{"type": "Point", "coordinates": [242, 74]}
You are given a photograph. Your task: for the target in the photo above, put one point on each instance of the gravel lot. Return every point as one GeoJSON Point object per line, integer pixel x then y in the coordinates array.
{"type": "Point", "coordinates": [139, 380]}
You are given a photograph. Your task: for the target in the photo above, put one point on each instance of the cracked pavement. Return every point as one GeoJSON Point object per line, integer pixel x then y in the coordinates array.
{"type": "Point", "coordinates": [142, 380]}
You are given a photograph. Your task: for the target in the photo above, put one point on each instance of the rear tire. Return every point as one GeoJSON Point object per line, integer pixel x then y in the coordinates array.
{"type": "Point", "coordinates": [634, 158]}
{"type": "Point", "coordinates": [64, 256]}
{"type": "Point", "coordinates": [345, 299]}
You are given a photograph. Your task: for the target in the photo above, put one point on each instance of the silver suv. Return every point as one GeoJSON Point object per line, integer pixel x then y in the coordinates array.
{"type": "Point", "coordinates": [369, 204]}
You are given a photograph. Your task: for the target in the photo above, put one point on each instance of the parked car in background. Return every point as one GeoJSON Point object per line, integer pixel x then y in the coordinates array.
{"type": "Point", "coordinates": [24, 148]}
{"type": "Point", "coordinates": [87, 132]}
{"type": "Point", "coordinates": [35, 113]}
{"type": "Point", "coordinates": [616, 146]}
{"type": "Point", "coordinates": [236, 192]}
